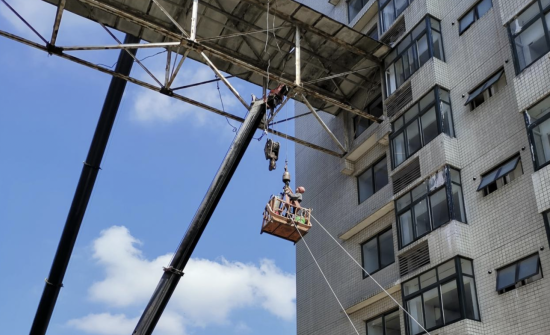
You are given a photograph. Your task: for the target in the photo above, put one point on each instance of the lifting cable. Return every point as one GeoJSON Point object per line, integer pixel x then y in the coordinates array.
{"type": "Point", "coordinates": [368, 274]}
{"type": "Point", "coordinates": [326, 280]}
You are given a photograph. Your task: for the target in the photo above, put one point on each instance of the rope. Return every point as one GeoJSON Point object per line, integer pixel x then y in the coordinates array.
{"type": "Point", "coordinates": [326, 280]}
{"type": "Point", "coordinates": [368, 274]}
{"type": "Point", "coordinates": [223, 108]}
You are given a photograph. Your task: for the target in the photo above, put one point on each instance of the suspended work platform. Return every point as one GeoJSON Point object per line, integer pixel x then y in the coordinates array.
{"type": "Point", "coordinates": [284, 220]}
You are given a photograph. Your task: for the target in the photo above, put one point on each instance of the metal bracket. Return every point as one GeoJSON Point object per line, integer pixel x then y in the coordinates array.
{"type": "Point", "coordinates": [166, 91]}
{"type": "Point", "coordinates": [173, 270]}
{"type": "Point", "coordinates": [52, 49]}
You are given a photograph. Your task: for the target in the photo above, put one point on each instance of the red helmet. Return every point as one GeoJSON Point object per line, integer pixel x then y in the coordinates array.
{"type": "Point", "coordinates": [301, 189]}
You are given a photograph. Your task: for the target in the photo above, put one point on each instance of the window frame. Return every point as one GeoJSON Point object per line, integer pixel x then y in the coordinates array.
{"type": "Point", "coordinates": [363, 4]}
{"type": "Point", "coordinates": [383, 316]}
{"type": "Point", "coordinates": [458, 277]}
{"type": "Point", "coordinates": [412, 44]}
{"type": "Point", "coordinates": [382, 4]}
{"type": "Point", "coordinates": [503, 177]}
{"type": "Point", "coordinates": [377, 237]}
{"type": "Point", "coordinates": [438, 103]}
{"type": "Point", "coordinates": [374, 30]}
{"type": "Point", "coordinates": [371, 168]}
{"type": "Point", "coordinates": [546, 31]}
{"type": "Point", "coordinates": [357, 119]}
{"type": "Point", "coordinates": [447, 185]}
{"type": "Point", "coordinates": [531, 125]}
{"type": "Point", "coordinates": [474, 8]}
{"type": "Point", "coordinates": [500, 73]}
{"type": "Point", "coordinates": [516, 279]}
{"type": "Point", "coordinates": [546, 218]}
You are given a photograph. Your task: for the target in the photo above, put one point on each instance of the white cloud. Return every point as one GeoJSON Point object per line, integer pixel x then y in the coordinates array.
{"type": "Point", "coordinates": [207, 294]}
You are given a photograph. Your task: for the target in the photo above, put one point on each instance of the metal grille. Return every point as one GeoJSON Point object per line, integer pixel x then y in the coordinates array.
{"type": "Point", "coordinates": [398, 100]}
{"type": "Point", "coordinates": [406, 176]}
{"type": "Point", "coordinates": [395, 32]}
{"type": "Point", "coordinates": [414, 259]}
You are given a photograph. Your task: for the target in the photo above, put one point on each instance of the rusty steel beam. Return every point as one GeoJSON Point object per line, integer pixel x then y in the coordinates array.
{"type": "Point", "coordinates": [57, 21]}
{"type": "Point", "coordinates": [157, 89]}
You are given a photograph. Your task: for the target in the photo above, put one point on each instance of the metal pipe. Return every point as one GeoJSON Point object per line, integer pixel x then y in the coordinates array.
{"type": "Point", "coordinates": [194, 20]}
{"type": "Point", "coordinates": [323, 124]}
{"type": "Point", "coordinates": [82, 193]}
{"type": "Point", "coordinates": [173, 273]}
{"type": "Point", "coordinates": [121, 46]}
{"type": "Point", "coordinates": [57, 21]}
{"type": "Point", "coordinates": [298, 55]}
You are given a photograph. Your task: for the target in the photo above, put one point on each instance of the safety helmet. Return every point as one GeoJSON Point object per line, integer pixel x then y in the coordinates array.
{"type": "Point", "coordinates": [301, 189]}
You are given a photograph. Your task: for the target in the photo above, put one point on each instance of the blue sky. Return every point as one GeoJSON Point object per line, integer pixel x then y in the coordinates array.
{"type": "Point", "coordinates": [160, 160]}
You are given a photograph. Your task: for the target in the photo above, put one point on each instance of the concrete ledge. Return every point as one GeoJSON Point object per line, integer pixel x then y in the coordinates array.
{"type": "Point", "coordinates": [395, 288]}
{"type": "Point", "coordinates": [368, 221]}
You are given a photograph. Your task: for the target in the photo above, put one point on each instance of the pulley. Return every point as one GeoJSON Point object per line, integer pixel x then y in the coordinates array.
{"type": "Point", "coordinates": [271, 151]}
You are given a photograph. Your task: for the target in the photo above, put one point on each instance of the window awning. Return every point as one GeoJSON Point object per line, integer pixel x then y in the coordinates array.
{"type": "Point", "coordinates": [502, 170]}
{"type": "Point", "coordinates": [485, 86]}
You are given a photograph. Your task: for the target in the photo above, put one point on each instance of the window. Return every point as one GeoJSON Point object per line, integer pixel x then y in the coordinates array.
{"type": "Point", "coordinates": [354, 7]}
{"type": "Point", "coordinates": [500, 176]}
{"type": "Point", "coordinates": [429, 206]}
{"type": "Point", "coordinates": [420, 124]}
{"type": "Point", "coordinates": [390, 11]}
{"type": "Point", "coordinates": [538, 128]}
{"type": "Point", "coordinates": [546, 216]}
{"type": "Point", "coordinates": [373, 33]}
{"type": "Point", "coordinates": [372, 180]}
{"type": "Point", "coordinates": [518, 274]}
{"type": "Point", "coordinates": [474, 14]}
{"type": "Point", "coordinates": [486, 90]}
{"type": "Point", "coordinates": [415, 49]}
{"type": "Point", "coordinates": [377, 252]}
{"type": "Point", "coordinates": [529, 34]}
{"type": "Point", "coordinates": [387, 324]}
{"type": "Point", "coordinates": [375, 108]}
{"type": "Point", "coordinates": [440, 296]}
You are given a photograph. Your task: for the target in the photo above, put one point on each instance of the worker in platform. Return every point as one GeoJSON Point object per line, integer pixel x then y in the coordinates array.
{"type": "Point", "coordinates": [295, 198]}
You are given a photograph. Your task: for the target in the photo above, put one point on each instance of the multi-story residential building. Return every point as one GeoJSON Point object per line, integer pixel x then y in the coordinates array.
{"type": "Point", "coordinates": [446, 202]}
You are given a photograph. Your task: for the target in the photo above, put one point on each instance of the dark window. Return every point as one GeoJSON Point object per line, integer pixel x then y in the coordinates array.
{"type": "Point", "coordinates": [518, 274]}
{"type": "Point", "coordinates": [415, 49]}
{"type": "Point", "coordinates": [354, 7]}
{"type": "Point", "coordinates": [377, 252]}
{"type": "Point", "coordinates": [500, 176]}
{"type": "Point", "coordinates": [529, 34]}
{"type": "Point", "coordinates": [375, 108]}
{"type": "Point", "coordinates": [486, 90]}
{"type": "Point", "coordinates": [387, 324]}
{"type": "Point", "coordinates": [546, 216]}
{"type": "Point", "coordinates": [373, 33]}
{"type": "Point", "coordinates": [441, 296]}
{"type": "Point", "coordinates": [538, 127]}
{"type": "Point", "coordinates": [390, 11]}
{"type": "Point", "coordinates": [474, 14]}
{"type": "Point", "coordinates": [421, 124]}
{"type": "Point", "coordinates": [372, 180]}
{"type": "Point", "coordinates": [429, 205]}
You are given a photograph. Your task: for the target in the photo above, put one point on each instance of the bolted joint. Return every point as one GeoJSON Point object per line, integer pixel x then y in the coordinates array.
{"type": "Point", "coordinates": [52, 49]}
{"type": "Point", "coordinates": [173, 270]}
{"type": "Point", "coordinates": [166, 91]}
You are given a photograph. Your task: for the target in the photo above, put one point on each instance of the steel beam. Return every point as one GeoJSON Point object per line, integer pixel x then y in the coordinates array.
{"type": "Point", "coordinates": [57, 21]}
{"type": "Point", "coordinates": [173, 273]}
{"type": "Point", "coordinates": [88, 176]}
{"type": "Point", "coordinates": [121, 46]}
{"type": "Point", "coordinates": [157, 89]}
{"type": "Point", "coordinates": [327, 129]}
{"type": "Point", "coordinates": [298, 57]}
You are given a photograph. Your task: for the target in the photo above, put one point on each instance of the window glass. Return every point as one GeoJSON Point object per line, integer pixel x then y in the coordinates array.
{"type": "Point", "coordinates": [541, 139]}
{"type": "Point", "coordinates": [466, 266]}
{"type": "Point", "coordinates": [418, 31]}
{"type": "Point", "coordinates": [466, 21]}
{"type": "Point", "coordinates": [391, 84]}
{"type": "Point", "coordinates": [354, 7]}
{"type": "Point", "coordinates": [429, 126]}
{"type": "Point", "coordinates": [455, 176]}
{"type": "Point", "coordinates": [432, 308]}
{"type": "Point", "coordinates": [374, 33]}
{"type": "Point", "coordinates": [411, 286]}
{"type": "Point", "coordinates": [483, 7]}
{"type": "Point", "coordinates": [375, 327]}
{"type": "Point", "coordinates": [413, 138]}
{"type": "Point", "coordinates": [403, 202]}
{"type": "Point", "coordinates": [386, 249]}
{"type": "Point", "coordinates": [451, 302]}
{"type": "Point", "coordinates": [470, 294]}
{"type": "Point", "coordinates": [366, 185]}
{"type": "Point", "coordinates": [438, 46]}
{"type": "Point", "coordinates": [370, 256]}
{"type": "Point", "coordinates": [545, 3]}
{"type": "Point", "coordinates": [414, 307]}
{"type": "Point", "coordinates": [458, 204]}
{"type": "Point", "coordinates": [399, 154]}
{"type": "Point", "coordinates": [530, 44]}
{"type": "Point", "coordinates": [388, 15]}
{"type": "Point", "coordinates": [524, 18]}
{"type": "Point", "coordinates": [421, 218]}
{"type": "Point", "coordinates": [423, 51]}
{"type": "Point", "coordinates": [444, 95]}
{"type": "Point", "coordinates": [404, 44]}
{"type": "Point", "coordinates": [405, 223]}
{"type": "Point", "coordinates": [411, 113]}
{"type": "Point", "coordinates": [390, 57]}
{"type": "Point", "coordinates": [399, 72]}
{"type": "Point", "coordinates": [528, 267]}
{"type": "Point", "coordinates": [393, 325]}
{"type": "Point", "coordinates": [446, 269]}
{"type": "Point", "coordinates": [400, 6]}
{"type": "Point", "coordinates": [428, 279]}
{"type": "Point", "coordinates": [380, 175]}
{"type": "Point", "coordinates": [435, 24]}
{"type": "Point", "coordinates": [361, 124]}
{"type": "Point", "coordinates": [440, 209]}
{"type": "Point", "coordinates": [506, 277]}
{"type": "Point", "coordinates": [419, 191]}
{"type": "Point", "coordinates": [398, 124]}
{"type": "Point", "coordinates": [426, 100]}
{"type": "Point", "coordinates": [447, 119]}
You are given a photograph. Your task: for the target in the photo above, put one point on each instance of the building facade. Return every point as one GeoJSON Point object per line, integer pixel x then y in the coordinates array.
{"type": "Point", "coordinates": [446, 202]}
